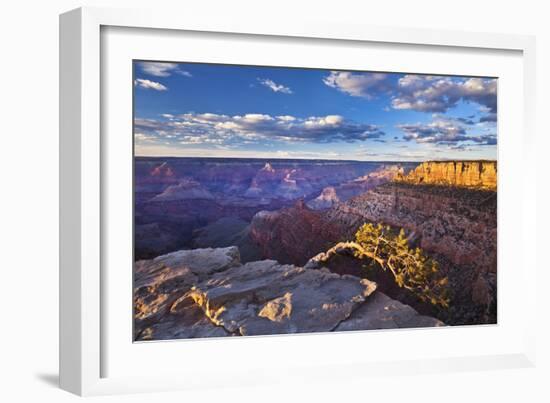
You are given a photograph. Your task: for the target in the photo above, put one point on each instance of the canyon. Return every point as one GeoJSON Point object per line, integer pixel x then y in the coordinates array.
{"type": "Point", "coordinates": [261, 221]}
{"type": "Point", "coordinates": [178, 201]}
{"type": "Point", "coordinates": [457, 225]}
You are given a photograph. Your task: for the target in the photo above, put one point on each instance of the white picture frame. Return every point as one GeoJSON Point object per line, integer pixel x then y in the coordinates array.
{"type": "Point", "coordinates": [83, 299]}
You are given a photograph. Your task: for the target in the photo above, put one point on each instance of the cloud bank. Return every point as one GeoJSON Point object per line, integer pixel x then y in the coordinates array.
{"type": "Point", "coordinates": [420, 93]}
{"type": "Point", "coordinates": [211, 128]}
{"type": "Point", "coordinates": [444, 130]}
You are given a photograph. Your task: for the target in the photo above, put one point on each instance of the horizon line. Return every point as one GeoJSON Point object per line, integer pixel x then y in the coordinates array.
{"type": "Point", "coordinates": [317, 159]}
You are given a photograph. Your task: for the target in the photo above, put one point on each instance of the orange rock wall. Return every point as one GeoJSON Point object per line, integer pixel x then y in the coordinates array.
{"type": "Point", "coordinates": [478, 174]}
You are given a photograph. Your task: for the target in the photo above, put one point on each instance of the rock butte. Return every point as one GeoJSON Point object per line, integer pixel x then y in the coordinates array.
{"type": "Point", "coordinates": [478, 174]}
{"type": "Point", "coordinates": [331, 195]}
{"type": "Point", "coordinates": [209, 293]}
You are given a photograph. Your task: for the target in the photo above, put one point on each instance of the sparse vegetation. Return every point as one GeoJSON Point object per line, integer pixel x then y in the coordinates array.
{"type": "Point", "coordinates": [383, 248]}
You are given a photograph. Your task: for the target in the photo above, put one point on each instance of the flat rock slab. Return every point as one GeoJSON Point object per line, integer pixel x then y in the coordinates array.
{"type": "Point", "coordinates": [202, 262]}
{"type": "Point", "coordinates": [265, 297]}
{"type": "Point", "coordinates": [186, 322]}
{"type": "Point", "coordinates": [160, 282]}
{"type": "Point", "coordinates": [382, 312]}
{"type": "Point", "coordinates": [209, 293]}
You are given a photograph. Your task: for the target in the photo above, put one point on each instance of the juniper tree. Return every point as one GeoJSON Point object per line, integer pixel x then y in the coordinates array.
{"type": "Point", "coordinates": [383, 248]}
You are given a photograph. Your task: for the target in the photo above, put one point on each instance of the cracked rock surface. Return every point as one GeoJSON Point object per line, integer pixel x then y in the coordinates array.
{"type": "Point", "coordinates": [209, 293]}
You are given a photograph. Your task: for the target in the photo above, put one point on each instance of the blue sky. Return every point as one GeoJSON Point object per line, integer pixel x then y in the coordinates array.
{"type": "Point", "coordinates": [187, 109]}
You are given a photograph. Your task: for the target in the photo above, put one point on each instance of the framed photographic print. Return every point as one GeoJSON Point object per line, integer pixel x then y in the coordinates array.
{"type": "Point", "coordinates": [259, 194]}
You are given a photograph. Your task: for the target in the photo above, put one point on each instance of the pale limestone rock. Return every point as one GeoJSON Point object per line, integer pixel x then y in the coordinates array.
{"type": "Point", "coordinates": [277, 309]}
{"type": "Point", "coordinates": [159, 282]}
{"type": "Point", "coordinates": [240, 298]}
{"type": "Point", "coordinates": [382, 312]}
{"type": "Point", "coordinates": [201, 262]}
{"type": "Point", "coordinates": [325, 200]}
{"type": "Point", "coordinates": [208, 293]}
{"type": "Point", "coordinates": [185, 321]}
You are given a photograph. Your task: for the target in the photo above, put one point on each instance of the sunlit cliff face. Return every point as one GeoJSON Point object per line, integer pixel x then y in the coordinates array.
{"type": "Point", "coordinates": [476, 174]}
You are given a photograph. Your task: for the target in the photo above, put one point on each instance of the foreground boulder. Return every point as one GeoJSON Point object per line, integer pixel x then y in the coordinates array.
{"type": "Point", "coordinates": [382, 312]}
{"type": "Point", "coordinates": [209, 293]}
{"type": "Point", "coordinates": [159, 282]}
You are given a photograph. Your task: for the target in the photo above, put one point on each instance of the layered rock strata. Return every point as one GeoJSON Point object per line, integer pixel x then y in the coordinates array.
{"type": "Point", "coordinates": [456, 225]}
{"type": "Point", "coordinates": [476, 174]}
{"type": "Point", "coordinates": [459, 224]}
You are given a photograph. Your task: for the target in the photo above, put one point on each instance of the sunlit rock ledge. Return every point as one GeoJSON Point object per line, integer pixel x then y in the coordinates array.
{"type": "Point", "coordinates": [209, 293]}
{"type": "Point", "coordinates": [476, 174]}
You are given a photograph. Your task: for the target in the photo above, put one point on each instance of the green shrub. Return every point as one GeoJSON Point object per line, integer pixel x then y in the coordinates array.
{"type": "Point", "coordinates": [411, 268]}
{"type": "Point", "coordinates": [383, 248]}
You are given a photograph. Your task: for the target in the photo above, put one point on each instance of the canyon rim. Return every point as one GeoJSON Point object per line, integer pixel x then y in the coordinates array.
{"type": "Point", "coordinates": [274, 200]}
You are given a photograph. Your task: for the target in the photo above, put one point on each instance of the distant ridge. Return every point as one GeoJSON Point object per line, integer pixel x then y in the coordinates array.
{"type": "Point", "coordinates": [272, 160]}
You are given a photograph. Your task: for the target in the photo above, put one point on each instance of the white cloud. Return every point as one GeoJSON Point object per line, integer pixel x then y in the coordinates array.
{"type": "Point", "coordinates": [421, 93]}
{"type": "Point", "coordinates": [161, 69]}
{"type": "Point", "coordinates": [274, 86]}
{"type": "Point", "coordinates": [142, 138]}
{"type": "Point", "coordinates": [254, 118]}
{"type": "Point", "coordinates": [184, 73]}
{"type": "Point", "coordinates": [148, 84]}
{"type": "Point", "coordinates": [326, 121]}
{"type": "Point", "coordinates": [366, 85]}
{"type": "Point", "coordinates": [286, 118]}
{"type": "Point", "coordinates": [443, 130]}
{"type": "Point", "coordinates": [438, 94]}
